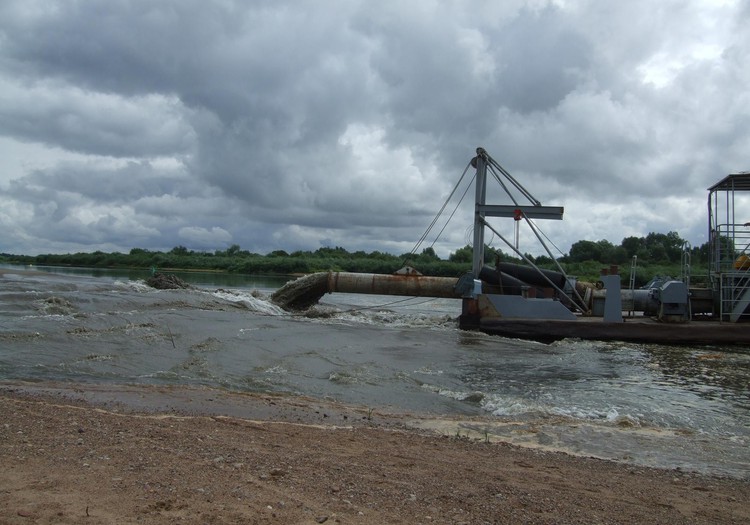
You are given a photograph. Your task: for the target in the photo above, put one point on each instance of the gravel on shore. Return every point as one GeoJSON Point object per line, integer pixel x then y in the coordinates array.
{"type": "Point", "coordinates": [75, 455]}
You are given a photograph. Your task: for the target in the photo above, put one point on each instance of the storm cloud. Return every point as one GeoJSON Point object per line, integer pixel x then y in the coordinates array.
{"type": "Point", "coordinates": [295, 125]}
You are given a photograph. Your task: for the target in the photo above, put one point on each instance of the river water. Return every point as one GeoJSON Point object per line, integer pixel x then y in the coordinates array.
{"type": "Point", "coordinates": [668, 407]}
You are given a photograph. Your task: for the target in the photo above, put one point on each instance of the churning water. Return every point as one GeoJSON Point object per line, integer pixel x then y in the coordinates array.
{"type": "Point", "coordinates": [674, 407]}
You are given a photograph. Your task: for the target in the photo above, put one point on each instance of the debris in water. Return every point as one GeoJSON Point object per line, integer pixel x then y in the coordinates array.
{"type": "Point", "coordinates": [56, 306]}
{"type": "Point", "coordinates": [164, 281]}
{"type": "Point", "coordinates": [302, 293]}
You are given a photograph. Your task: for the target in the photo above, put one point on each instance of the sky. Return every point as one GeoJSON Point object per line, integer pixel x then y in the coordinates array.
{"type": "Point", "coordinates": [295, 125]}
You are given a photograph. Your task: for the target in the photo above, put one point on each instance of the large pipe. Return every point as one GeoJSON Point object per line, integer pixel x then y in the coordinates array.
{"type": "Point", "coordinates": [306, 291]}
{"type": "Point", "coordinates": [510, 285]}
{"type": "Point", "coordinates": [381, 284]}
{"type": "Point", "coordinates": [638, 300]}
{"type": "Point", "coordinates": [533, 276]}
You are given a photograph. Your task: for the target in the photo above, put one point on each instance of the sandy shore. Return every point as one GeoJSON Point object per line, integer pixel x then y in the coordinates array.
{"type": "Point", "coordinates": [147, 455]}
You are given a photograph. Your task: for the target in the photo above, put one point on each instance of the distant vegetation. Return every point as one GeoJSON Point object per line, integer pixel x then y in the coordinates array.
{"type": "Point", "coordinates": [657, 254]}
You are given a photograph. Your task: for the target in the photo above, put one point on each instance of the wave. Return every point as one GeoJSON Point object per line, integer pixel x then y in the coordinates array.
{"type": "Point", "coordinates": [253, 301]}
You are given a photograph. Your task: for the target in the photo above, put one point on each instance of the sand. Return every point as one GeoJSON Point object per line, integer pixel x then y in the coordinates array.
{"type": "Point", "coordinates": [86, 454]}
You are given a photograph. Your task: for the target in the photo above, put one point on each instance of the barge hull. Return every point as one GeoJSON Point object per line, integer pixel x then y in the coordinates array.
{"type": "Point", "coordinates": [640, 330]}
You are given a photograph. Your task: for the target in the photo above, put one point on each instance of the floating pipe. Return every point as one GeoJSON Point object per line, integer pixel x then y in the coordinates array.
{"type": "Point", "coordinates": [381, 284]}
{"type": "Point", "coordinates": [306, 291]}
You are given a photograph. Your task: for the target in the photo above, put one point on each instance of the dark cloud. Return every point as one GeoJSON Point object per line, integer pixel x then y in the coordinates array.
{"type": "Point", "coordinates": [542, 60]}
{"type": "Point", "coordinates": [280, 125]}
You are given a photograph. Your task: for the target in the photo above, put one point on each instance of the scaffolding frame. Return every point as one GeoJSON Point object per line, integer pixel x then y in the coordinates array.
{"type": "Point", "coordinates": [729, 248]}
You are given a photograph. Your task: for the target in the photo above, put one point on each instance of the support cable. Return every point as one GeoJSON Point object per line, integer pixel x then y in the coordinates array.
{"type": "Point", "coordinates": [439, 213]}
{"type": "Point", "coordinates": [499, 180]}
{"type": "Point", "coordinates": [536, 231]}
{"type": "Point", "coordinates": [453, 212]}
{"type": "Point", "coordinates": [513, 181]}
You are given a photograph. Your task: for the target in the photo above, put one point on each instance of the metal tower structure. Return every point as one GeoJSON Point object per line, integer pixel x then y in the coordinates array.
{"type": "Point", "coordinates": [729, 246]}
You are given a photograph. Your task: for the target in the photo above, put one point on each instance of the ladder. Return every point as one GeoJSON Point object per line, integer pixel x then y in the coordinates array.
{"type": "Point", "coordinates": [631, 285]}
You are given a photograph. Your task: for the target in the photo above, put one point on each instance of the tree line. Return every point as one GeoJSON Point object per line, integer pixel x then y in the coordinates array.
{"type": "Point", "coordinates": [656, 252]}
{"type": "Point", "coordinates": [653, 248]}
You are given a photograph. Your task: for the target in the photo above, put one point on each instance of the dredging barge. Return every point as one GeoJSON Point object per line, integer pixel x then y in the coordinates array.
{"type": "Point", "coordinates": [524, 301]}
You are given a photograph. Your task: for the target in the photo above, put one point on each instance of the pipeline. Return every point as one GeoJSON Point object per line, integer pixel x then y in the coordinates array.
{"type": "Point", "coordinates": [532, 276]}
{"type": "Point", "coordinates": [411, 285]}
{"type": "Point", "coordinates": [306, 291]}
{"type": "Point", "coordinates": [508, 284]}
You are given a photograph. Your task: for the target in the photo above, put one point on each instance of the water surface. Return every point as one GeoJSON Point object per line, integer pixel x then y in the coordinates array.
{"type": "Point", "coordinates": [672, 407]}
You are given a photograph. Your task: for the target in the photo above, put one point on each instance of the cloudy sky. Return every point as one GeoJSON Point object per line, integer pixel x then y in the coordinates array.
{"type": "Point", "coordinates": [297, 124]}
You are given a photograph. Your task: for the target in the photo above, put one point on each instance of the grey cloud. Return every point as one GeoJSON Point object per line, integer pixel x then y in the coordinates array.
{"type": "Point", "coordinates": [540, 60]}
{"type": "Point", "coordinates": [101, 183]}
{"type": "Point", "coordinates": [94, 123]}
{"type": "Point", "coordinates": [278, 122]}
{"type": "Point", "coordinates": [204, 238]}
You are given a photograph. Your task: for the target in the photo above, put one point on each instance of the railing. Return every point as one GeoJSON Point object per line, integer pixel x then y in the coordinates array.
{"type": "Point", "coordinates": [734, 297]}
{"type": "Point", "coordinates": [628, 304]}
{"type": "Point", "coordinates": [728, 243]}
{"type": "Point", "coordinates": [685, 268]}
{"type": "Point", "coordinates": [730, 270]}
{"type": "Point", "coordinates": [685, 265]}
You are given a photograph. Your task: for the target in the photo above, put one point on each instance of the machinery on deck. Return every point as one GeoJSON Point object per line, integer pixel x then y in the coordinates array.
{"type": "Point", "coordinates": [543, 293]}
{"type": "Point", "coordinates": [523, 300]}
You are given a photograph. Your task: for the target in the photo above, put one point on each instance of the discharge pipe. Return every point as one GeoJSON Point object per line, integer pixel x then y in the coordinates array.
{"type": "Point", "coordinates": [410, 285]}
{"type": "Point", "coordinates": [306, 291]}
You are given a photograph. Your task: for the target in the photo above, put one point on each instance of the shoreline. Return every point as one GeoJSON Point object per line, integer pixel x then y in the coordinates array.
{"type": "Point", "coordinates": [121, 453]}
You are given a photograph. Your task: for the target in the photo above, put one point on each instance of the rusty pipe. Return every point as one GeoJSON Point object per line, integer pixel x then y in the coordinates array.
{"type": "Point", "coordinates": [381, 284]}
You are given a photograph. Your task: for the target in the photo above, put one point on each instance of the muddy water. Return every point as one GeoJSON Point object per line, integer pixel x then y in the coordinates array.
{"type": "Point", "coordinates": [660, 406]}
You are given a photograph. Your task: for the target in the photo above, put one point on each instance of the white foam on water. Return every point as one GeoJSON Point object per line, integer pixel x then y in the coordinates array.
{"type": "Point", "coordinates": [512, 406]}
{"type": "Point", "coordinates": [516, 406]}
{"type": "Point", "coordinates": [277, 370]}
{"type": "Point", "coordinates": [384, 318]}
{"type": "Point", "coordinates": [134, 286]}
{"type": "Point", "coordinates": [610, 415]}
{"type": "Point", "coordinates": [454, 394]}
{"type": "Point", "coordinates": [250, 301]}
{"type": "Point", "coordinates": [429, 371]}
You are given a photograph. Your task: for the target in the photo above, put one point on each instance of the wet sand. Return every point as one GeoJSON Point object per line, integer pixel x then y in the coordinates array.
{"type": "Point", "coordinates": [124, 454]}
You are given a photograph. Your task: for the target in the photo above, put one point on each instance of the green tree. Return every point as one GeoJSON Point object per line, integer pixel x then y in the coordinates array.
{"type": "Point", "coordinates": [462, 255]}
{"type": "Point", "coordinates": [429, 254]}
{"type": "Point", "coordinates": [582, 251]}
{"type": "Point", "coordinates": [232, 251]}
{"type": "Point", "coordinates": [601, 251]}
{"type": "Point", "coordinates": [619, 255]}
{"type": "Point", "coordinates": [543, 260]}
{"type": "Point", "coordinates": [664, 247]}
{"type": "Point", "coordinates": [632, 245]}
